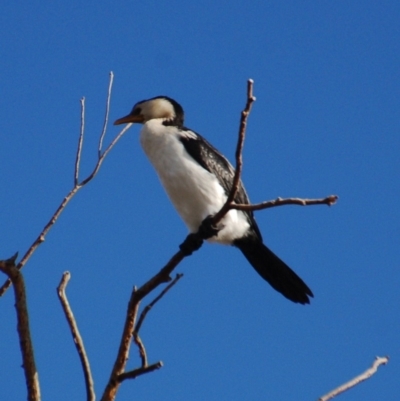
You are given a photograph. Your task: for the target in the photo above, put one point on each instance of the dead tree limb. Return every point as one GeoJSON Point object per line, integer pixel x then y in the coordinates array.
{"type": "Point", "coordinates": [329, 200]}
{"type": "Point", "coordinates": [131, 331]}
{"type": "Point", "coordinates": [77, 185]}
{"type": "Point", "coordinates": [146, 310]}
{"type": "Point", "coordinates": [238, 154]}
{"type": "Point", "coordinates": [357, 380]}
{"type": "Point", "coordinates": [133, 374]}
{"type": "Point", "coordinates": [123, 351]}
{"type": "Point", "coordinates": [9, 268]}
{"type": "Point", "coordinates": [90, 395]}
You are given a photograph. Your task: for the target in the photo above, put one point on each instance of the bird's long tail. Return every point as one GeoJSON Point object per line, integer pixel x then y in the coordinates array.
{"type": "Point", "coordinates": [275, 271]}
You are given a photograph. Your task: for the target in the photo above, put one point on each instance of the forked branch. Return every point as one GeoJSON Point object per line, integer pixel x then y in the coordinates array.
{"type": "Point", "coordinates": [238, 154]}
{"type": "Point", "coordinates": [77, 185]}
{"type": "Point", "coordinates": [146, 310]}
{"type": "Point", "coordinates": [131, 331]}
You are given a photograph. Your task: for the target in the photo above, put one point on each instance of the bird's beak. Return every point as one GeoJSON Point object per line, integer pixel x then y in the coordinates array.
{"type": "Point", "coordinates": [130, 118]}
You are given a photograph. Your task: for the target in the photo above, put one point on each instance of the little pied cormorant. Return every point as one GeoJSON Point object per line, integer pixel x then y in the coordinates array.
{"type": "Point", "coordinates": [197, 179]}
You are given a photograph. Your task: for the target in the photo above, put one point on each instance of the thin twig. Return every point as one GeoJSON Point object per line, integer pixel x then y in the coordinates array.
{"type": "Point", "coordinates": [140, 371]}
{"type": "Point", "coordinates": [104, 155]}
{"type": "Point", "coordinates": [155, 300]}
{"type": "Point", "coordinates": [31, 375]}
{"type": "Point", "coordinates": [80, 143]}
{"type": "Point", "coordinates": [357, 380]}
{"type": "Point", "coordinates": [238, 154]}
{"type": "Point", "coordinates": [65, 201]}
{"type": "Point", "coordinates": [329, 200]}
{"type": "Point", "coordinates": [129, 331]}
{"type": "Point", "coordinates": [142, 350]}
{"type": "Point", "coordinates": [106, 114]}
{"type": "Point", "coordinates": [90, 395]}
{"type": "Point", "coordinates": [138, 341]}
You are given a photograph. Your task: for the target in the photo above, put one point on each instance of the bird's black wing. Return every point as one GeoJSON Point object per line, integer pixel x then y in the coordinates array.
{"type": "Point", "coordinates": [265, 262]}
{"type": "Point", "coordinates": [213, 161]}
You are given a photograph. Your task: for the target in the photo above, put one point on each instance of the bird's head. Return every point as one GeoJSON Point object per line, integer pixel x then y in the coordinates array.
{"type": "Point", "coordinates": [160, 107]}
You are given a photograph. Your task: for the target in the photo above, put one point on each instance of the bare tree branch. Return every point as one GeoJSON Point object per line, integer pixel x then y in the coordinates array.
{"type": "Point", "coordinates": [155, 300]}
{"type": "Point", "coordinates": [135, 334]}
{"type": "Point", "coordinates": [230, 204]}
{"type": "Point", "coordinates": [132, 331]}
{"type": "Point", "coordinates": [123, 351]}
{"type": "Point", "coordinates": [238, 154]}
{"type": "Point", "coordinates": [357, 380]}
{"type": "Point", "coordinates": [106, 114]}
{"type": "Point", "coordinates": [90, 395]}
{"type": "Point", "coordinates": [140, 371]}
{"type": "Point", "coordinates": [103, 156]}
{"type": "Point", "coordinates": [80, 143]}
{"type": "Point", "coordinates": [329, 200]}
{"type": "Point", "coordinates": [75, 189]}
{"type": "Point", "coordinates": [142, 350]}
{"type": "Point", "coordinates": [9, 268]}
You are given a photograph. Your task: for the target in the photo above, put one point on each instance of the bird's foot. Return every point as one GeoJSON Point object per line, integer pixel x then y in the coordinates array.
{"type": "Point", "coordinates": [192, 243]}
{"type": "Point", "coordinates": [207, 229]}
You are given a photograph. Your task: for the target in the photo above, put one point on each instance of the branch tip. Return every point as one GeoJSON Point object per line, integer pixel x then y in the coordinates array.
{"type": "Point", "coordinates": [332, 199]}
{"type": "Point", "coordinates": [12, 260]}
{"type": "Point", "coordinates": [78, 341]}
{"type": "Point", "coordinates": [357, 380]}
{"type": "Point", "coordinates": [140, 371]}
{"type": "Point", "coordinates": [63, 282]}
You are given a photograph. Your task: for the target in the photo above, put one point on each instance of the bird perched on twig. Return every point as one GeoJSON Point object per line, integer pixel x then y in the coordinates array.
{"type": "Point", "coordinates": [198, 179]}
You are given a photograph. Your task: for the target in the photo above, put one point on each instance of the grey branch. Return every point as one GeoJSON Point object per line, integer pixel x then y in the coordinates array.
{"type": "Point", "coordinates": [80, 143]}
{"type": "Point", "coordinates": [155, 300]}
{"type": "Point", "coordinates": [357, 380]}
{"type": "Point", "coordinates": [238, 154]}
{"type": "Point", "coordinates": [133, 374]}
{"type": "Point", "coordinates": [90, 395]}
{"type": "Point", "coordinates": [9, 268]}
{"type": "Point", "coordinates": [77, 186]}
{"type": "Point", "coordinates": [146, 310]}
{"type": "Point", "coordinates": [106, 114]}
{"type": "Point", "coordinates": [131, 331]}
{"type": "Point", "coordinates": [111, 389]}
{"type": "Point", "coordinates": [329, 200]}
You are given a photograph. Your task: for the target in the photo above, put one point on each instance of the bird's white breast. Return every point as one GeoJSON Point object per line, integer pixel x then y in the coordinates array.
{"type": "Point", "coordinates": [194, 191]}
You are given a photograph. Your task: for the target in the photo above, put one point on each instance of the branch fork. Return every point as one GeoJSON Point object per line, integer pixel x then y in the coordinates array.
{"type": "Point", "coordinates": [77, 185]}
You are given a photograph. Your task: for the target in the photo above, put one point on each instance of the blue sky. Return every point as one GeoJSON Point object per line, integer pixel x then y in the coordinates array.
{"type": "Point", "coordinates": [326, 121]}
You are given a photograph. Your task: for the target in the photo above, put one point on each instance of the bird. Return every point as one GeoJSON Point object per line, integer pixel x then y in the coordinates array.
{"type": "Point", "coordinates": [198, 178]}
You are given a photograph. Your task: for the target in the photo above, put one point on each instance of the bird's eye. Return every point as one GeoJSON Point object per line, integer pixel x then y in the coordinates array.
{"type": "Point", "coordinates": [136, 111]}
